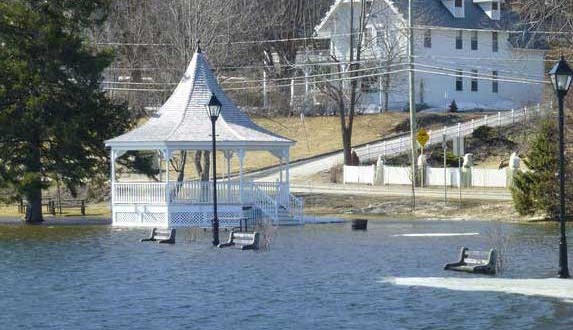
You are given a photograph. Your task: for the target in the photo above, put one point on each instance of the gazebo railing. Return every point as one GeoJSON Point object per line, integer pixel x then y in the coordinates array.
{"type": "Point", "coordinates": [264, 202]}
{"type": "Point", "coordinates": [201, 192]}
{"type": "Point", "coordinates": [139, 193]}
{"type": "Point", "coordinates": [190, 192]}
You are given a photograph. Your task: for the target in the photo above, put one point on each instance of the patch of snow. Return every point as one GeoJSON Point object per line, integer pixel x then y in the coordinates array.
{"type": "Point", "coordinates": [548, 287]}
{"type": "Point", "coordinates": [436, 235]}
{"type": "Point", "coordinates": [321, 220]}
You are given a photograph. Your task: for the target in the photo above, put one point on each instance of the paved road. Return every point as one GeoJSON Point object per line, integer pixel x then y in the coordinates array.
{"type": "Point", "coordinates": [493, 194]}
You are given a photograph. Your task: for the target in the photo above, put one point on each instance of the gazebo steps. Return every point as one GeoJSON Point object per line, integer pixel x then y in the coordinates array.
{"type": "Point", "coordinates": [285, 218]}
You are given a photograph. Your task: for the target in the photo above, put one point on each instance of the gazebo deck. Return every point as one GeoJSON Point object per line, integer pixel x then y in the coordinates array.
{"type": "Point", "coordinates": [189, 203]}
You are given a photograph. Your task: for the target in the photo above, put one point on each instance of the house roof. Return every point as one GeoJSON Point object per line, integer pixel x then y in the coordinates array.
{"type": "Point", "coordinates": [434, 13]}
{"type": "Point", "coordinates": [183, 123]}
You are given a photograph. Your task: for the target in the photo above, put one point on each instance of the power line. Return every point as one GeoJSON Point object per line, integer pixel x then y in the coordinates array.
{"type": "Point", "coordinates": [269, 79]}
{"type": "Point", "coordinates": [477, 76]}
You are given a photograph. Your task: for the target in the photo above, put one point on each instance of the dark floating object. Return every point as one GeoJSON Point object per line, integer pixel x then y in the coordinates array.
{"type": "Point", "coordinates": [359, 224]}
{"type": "Point", "coordinates": [480, 262]}
{"type": "Point", "coordinates": [161, 236]}
{"type": "Point", "coordinates": [242, 240]}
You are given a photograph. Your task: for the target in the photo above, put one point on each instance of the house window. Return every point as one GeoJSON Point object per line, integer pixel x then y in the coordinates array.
{"type": "Point", "coordinates": [369, 85]}
{"type": "Point", "coordinates": [380, 37]}
{"type": "Point", "coordinates": [494, 42]}
{"type": "Point", "coordinates": [494, 83]}
{"type": "Point", "coordinates": [494, 6]}
{"type": "Point", "coordinates": [428, 38]}
{"type": "Point", "coordinates": [459, 81]}
{"type": "Point", "coordinates": [459, 3]}
{"type": "Point", "coordinates": [474, 87]}
{"type": "Point", "coordinates": [474, 40]}
{"type": "Point", "coordinates": [460, 40]}
{"type": "Point", "coordinates": [368, 37]}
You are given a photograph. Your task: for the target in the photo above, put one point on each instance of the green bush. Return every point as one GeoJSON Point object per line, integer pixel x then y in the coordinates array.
{"type": "Point", "coordinates": [537, 190]}
{"type": "Point", "coordinates": [453, 107]}
{"type": "Point", "coordinates": [484, 133]}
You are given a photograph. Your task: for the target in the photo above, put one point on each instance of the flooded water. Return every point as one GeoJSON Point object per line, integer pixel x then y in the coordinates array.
{"type": "Point", "coordinates": [314, 277]}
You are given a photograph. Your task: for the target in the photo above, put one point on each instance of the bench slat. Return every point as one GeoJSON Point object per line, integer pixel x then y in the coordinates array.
{"type": "Point", "coordinates": [242, 241]}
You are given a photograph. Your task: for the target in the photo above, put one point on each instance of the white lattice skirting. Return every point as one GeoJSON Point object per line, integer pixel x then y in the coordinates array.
{"type": "Point", "coordinates": [179, 216]}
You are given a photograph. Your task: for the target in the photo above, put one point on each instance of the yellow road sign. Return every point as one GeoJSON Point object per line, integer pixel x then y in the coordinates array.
{"type": "Point", "coordinates": [422, 137]}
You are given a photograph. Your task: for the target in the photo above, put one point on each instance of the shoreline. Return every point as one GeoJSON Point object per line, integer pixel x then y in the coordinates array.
{"type": "Point", "coordinates": [378, 208]}
{"type": "Point", "coordinates": [57, 221]}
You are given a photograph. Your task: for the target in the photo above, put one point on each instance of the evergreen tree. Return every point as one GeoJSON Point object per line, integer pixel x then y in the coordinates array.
{"type": "Point", "coordinates": [53, 115]}
{"type": "Point", "coordinates": [537, 190]}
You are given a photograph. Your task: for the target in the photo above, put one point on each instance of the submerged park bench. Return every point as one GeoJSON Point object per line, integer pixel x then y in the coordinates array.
{"type": "Point", "coordinates": [480, 262]}
{"type": "Point", "coordinates": [242, 240]}
{"type": "Point", "coordinates": [161, 236]}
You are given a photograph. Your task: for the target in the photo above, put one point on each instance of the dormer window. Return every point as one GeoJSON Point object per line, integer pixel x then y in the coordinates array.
{"type": "Point", "coordinates": [459, 3]}
{"type": "Point", "coordinates": [494, 6]}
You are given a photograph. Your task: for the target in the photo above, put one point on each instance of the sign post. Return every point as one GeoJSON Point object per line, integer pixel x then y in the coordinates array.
{"type": "Point", "coordinates": [422, 137]}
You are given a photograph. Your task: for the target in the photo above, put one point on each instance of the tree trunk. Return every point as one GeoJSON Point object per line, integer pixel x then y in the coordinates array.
{"type": "Point", "coordinates": [202, 169]}
{"type": "Point", "coordinates": [33, 191]}
{"type": "Point", "coordinates": [387, 88]}
{"type": "Point", "coordinates": [181, 175]}
{"type": "Point", "coordinates": [202, 164]}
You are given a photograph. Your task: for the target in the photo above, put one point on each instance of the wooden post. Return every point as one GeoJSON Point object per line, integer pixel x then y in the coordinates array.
{"type": "Point", "coordinates": [265, 97]}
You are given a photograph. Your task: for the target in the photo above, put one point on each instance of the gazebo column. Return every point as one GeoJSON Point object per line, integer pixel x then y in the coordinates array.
{"type": "Point", "coordinates": [287, 169]}
{"type": "Point", "coordinates": [281, 168]}
{"type": "Point", "coordinates": [167, 159]}
{"type": "Point", "coordinates": [228, 157]}
{"type": "Point", "coordinates": [241, 154]}
{"type": "Point", "coordinates": [112, 160]}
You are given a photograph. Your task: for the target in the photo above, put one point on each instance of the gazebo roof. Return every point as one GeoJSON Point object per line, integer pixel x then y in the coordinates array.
{"type": "Point", "coordinates": [182, 123]}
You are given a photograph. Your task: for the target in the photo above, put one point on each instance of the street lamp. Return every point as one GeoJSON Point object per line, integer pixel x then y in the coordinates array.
{"type": "Point", "coordinates": [561, 76]}
{"type": "Point", "coordinates": [214, 110]}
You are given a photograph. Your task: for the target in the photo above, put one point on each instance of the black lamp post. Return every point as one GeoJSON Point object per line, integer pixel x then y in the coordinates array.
{"type": "Point", "coordinates": [214, 110]}
{"type": "Point", "coordinates": [561, 77]}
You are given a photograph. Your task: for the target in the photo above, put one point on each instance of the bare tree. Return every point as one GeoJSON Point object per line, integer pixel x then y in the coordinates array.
{"type": "Point", "coordinates": [344, 92]}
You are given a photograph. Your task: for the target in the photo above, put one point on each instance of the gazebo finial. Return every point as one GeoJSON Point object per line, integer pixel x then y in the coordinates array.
{"type": "Point", "coordinates": [199, 46]}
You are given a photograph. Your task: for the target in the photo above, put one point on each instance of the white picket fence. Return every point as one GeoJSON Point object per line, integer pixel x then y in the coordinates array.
{"type": "Point", "coordinates": [359, 174]}
{"type": "Point", "coordinates": [402, 144]}
{"type": "Point", "coordinates": [397, 175]}
{"type": "Point", "coordinates": [433, 176]}
{"type": "Point", "coordinates": [489, 177]}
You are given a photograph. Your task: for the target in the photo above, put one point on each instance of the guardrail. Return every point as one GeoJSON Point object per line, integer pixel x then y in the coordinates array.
{"type": "Point", "coordinates": [402, 144]}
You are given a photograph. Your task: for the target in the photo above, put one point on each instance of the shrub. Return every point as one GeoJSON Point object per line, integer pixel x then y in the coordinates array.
{"type": "Point", "coordinates": [483, 133]}
{"type": "Point", "coordinates": [453, 107]}
{"type": "Point", "coordinates": [537, 190]}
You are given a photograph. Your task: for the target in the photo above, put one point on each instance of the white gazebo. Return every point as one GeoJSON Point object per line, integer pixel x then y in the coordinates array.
{"type": "Point", "coordinates": [183, 123]}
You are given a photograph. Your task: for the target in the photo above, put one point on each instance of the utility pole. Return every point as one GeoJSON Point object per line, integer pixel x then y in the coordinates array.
{"type": "Point", "coordinates": [412, 102]}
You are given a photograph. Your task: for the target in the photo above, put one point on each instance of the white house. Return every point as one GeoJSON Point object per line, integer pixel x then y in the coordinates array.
{"type": "Point", "coordinates": [465, 50]}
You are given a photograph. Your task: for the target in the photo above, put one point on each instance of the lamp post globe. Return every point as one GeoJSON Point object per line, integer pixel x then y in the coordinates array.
{"type": "Point", "coordinates": [213, 108]}
{"type": "Point", "coordinates": [561, 77]}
